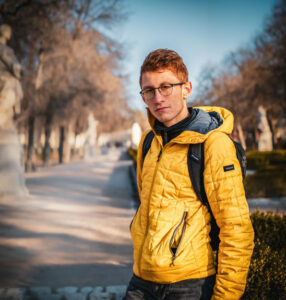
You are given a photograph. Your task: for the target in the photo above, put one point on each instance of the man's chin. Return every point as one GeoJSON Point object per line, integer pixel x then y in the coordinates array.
{"type": "Point", "coordinates": [163, 119]}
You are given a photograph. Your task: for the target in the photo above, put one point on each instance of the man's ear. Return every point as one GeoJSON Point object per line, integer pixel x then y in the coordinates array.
{"type": "Point", "coordinates": [187, 89]}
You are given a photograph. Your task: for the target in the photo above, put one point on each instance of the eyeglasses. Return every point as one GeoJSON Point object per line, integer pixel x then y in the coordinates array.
{"type": "Point", "coordinates": [164, 90]}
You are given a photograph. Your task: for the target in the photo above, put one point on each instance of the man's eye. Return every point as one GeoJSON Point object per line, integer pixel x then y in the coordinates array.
{"type": "Point", "coordinates": [148, 91]}
{"type": "Point", "coordinates": [165, 87]}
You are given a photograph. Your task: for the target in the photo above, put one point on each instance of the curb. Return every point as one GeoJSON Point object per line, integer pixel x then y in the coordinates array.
{"type": "Point", "coordinates": [115, 292]}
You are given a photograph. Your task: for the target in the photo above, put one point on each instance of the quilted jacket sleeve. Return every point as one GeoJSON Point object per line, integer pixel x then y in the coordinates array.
{"type": "Point", "coordinates": [226, 195]}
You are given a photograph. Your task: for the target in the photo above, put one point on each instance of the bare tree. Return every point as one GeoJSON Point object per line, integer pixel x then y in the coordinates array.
{"type": "Point", "coordinates": [252, 76]}
{"type": "Point", "coordinates": [69, 64]}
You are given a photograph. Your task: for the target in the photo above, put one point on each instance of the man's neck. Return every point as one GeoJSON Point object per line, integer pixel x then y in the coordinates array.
{"type": "Point", "coordinates": [168, 133]}
{"type": "Point", "coordinates": [183, 116]}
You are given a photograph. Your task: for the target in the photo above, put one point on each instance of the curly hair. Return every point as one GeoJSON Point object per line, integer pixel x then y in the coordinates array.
{"type": "Point", "coordinates": [165, 59]}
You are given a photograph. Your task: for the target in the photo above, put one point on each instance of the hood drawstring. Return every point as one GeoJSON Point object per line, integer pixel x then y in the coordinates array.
{"type": "Point", "coordinates": [165, 137]}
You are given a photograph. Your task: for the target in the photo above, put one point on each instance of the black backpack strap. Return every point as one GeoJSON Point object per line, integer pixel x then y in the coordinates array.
{"type": "Point", "coordinates": [147, 144]}
{"type": "Point", "coordinates": [241, 156]}
{"type": "Point", "coordinates": [196, 165]}
{"type": "Point", "coordinates": [196, 169]}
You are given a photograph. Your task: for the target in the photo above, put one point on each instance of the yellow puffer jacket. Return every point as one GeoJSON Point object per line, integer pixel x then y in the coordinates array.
{"type": "Point", "coordinates": [171, 216]}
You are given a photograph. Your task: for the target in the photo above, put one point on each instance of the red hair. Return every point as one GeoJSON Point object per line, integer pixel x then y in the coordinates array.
{"type": "Point", "coordinates": [165, 59]}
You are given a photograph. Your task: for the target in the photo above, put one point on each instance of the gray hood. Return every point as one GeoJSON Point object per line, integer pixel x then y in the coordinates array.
{"type": "Point", "coordinates": [203, 121]}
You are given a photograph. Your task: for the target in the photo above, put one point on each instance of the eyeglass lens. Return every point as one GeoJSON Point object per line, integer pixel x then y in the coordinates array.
{"type": "Point", "coordinates": [164, 90]}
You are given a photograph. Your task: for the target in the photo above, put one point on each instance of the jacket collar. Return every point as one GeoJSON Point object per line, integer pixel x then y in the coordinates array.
{"type": "Point", "coordinates": [169, 133]}
{"type": "Point", "coordinates": [194, 129]}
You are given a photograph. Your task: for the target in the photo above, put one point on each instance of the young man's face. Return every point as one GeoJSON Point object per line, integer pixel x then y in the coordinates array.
{"type": "Point", "coordinates": [169, 109]}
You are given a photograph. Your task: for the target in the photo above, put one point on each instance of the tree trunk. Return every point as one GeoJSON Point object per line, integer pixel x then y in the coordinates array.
{"type": "Point", "coordinates": [61, 144]}
{"type": "Point", "coordinates": [30, 147]}
{"type": "Point", "coordinates": [241, 135]}
{"type": "Point", "coordinates": [47, 146]}
{"type": "Point", "coordinates": [67, 146]}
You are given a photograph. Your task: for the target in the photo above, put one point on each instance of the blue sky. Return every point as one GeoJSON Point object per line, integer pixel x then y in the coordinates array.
{"type": "Point", "coordinates": [203, 32]}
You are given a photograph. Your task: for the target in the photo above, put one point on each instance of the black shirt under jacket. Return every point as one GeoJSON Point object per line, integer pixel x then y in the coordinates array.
{"type": "Point", "coordinates": [168, 133]}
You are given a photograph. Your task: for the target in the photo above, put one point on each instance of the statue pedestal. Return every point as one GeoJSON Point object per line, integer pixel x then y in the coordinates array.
{"type": "Point", "coordinates": [265, 142]}
{"type": "Point", "coordinates": [89, 153]}
{"type": "Point", "coordinates": [12, 180]}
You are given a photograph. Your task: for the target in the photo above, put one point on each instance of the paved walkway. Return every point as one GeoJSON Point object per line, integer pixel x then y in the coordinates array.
{"type": "Point", "coordinates": [73, 230]}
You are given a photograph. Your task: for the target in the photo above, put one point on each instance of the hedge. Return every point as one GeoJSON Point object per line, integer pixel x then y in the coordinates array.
{"type": "Point", "coordinates": [270, 177]}
{"type": "Point", "coordinates": [262, 160]}
{"type": "Point", "coordinates": [267, 272]}
{"type": "Point", "coordinates": [266, 184]}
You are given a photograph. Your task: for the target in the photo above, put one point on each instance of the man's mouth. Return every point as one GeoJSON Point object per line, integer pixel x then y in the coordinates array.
{"type": "Point", "coordinates": [159, 109]}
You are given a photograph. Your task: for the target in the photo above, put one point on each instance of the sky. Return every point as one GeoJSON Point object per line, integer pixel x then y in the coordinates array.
{"type": "Point", "coordinates": [203, 32]}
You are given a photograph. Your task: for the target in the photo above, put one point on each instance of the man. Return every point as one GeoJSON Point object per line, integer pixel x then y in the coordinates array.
{"type": "Point", "coordinates": [173, 258]}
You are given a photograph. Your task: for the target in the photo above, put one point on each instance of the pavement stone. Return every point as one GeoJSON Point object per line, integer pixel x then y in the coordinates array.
{"type": "Point", "coordinates": [100, 296]}
{"type": "Point", "coordinates": [86, 290]}
{"type": "Point", "coordinates": [98, 289]}
{"type": "Point", "coordinates": [64, 293]}
{"type": "Point", "coordinates": [117, 291]}
{"type": "Point", "coordinates": [49, 297]}
{"type": "Point", "coordinates": [12, 294]}
{"type": "Point", "coordinates": [41, 290]}
{"type": "Point", "coordinates": [67, 290]}
{"type": "Point", "coordinates": [77, 296]}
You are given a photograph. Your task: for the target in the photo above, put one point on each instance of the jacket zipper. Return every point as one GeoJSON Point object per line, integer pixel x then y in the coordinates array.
{"type": "Point", "coordinates": [149, 198]}
{"type": "Point", "coordinates": [184, 219]}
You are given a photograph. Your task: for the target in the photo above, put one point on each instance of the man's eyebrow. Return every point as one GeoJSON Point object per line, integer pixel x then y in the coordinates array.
{"type": "Point", "coordinates": [151, 87]}
{"type": "Point", "coordinates": [147, 87]}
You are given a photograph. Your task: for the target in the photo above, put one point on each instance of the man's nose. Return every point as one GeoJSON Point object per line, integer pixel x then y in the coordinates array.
{"type": "Point", "coordinates": [157, 96]}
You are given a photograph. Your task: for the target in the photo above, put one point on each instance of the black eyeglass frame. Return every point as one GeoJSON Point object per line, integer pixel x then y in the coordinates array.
{"type": "Point", "coordinates": [159, 88]}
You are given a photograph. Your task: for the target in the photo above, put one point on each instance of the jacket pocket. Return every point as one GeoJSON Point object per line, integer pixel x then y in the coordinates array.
{"type": "Point", "coordinates": [175, 243]}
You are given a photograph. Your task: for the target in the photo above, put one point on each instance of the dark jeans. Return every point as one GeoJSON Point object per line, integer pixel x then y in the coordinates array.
{"type": "Point", "coordinates": [191, 289]}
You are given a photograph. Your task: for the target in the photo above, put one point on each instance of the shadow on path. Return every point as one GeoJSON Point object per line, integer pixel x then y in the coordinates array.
{"type": "Point", "coordinates": [72, 230]}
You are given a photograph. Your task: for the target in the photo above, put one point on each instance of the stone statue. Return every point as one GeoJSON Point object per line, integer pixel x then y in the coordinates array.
{"type": "Point", "coordinates": [90, 139]}
{"type": "Point", "coordinates": [10, 87]}
{"type": "Point", "coordinates": [265, 136]}
{"type": "Point", "coordinates": [136, 133]}
{"type": "Point", "coordinates": [12, 181]}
